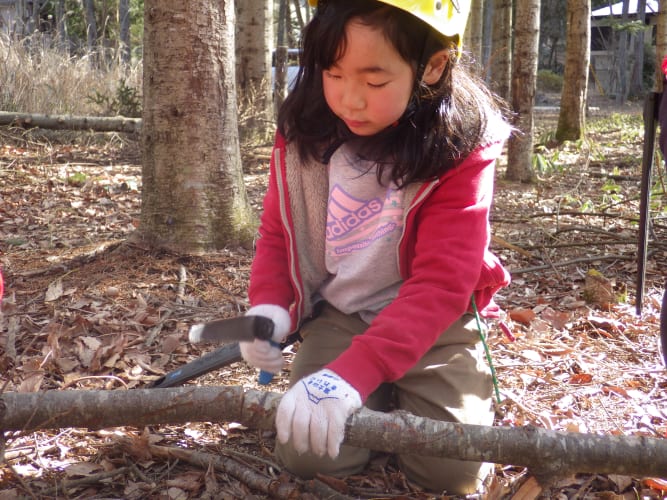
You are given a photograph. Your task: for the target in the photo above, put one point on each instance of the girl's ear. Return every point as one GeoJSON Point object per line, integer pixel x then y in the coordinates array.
{"type": "Point", "coordinates": [435, 67]}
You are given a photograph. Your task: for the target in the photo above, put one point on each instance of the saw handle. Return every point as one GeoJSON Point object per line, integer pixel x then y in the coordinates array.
{"type": "Point", "coordinates": [265, 377]}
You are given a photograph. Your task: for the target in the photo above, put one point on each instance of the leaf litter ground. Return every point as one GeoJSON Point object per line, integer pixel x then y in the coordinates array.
{"type": "Point", "coordinates": [86, 308]}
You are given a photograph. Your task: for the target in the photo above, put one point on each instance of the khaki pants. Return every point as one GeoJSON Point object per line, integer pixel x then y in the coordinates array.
{"type": "Point", "coordinates": [451, 382]}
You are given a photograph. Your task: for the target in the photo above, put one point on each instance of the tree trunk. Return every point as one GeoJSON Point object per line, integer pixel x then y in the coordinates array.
{"type": "Point", "coordinates": [572, 117]}
{"type": "Point", "coordinates": [472, 39]}
{"type": "Point", "coordinates": [524, 76]}
{"type": "Point", "coordinates": [487, 38]}
{"type": "Point", "coordinates": [36, 10]}
{"type": "Point", "coordinates": [660, 46]}
{"type": "Point", "coordinates": [91, 25]}
{"type": "Point", "coordinates": [301, 23]}
{"type": "Point", "coordinates": [637, 76]}
{"type": "Point", "coordinates": [193, 197]}
{"type": "Point", "coordinates": [547, 453]}
{"type": "Point", "coordinates": [280, 85]}
{"type": "Point", "coordinates": [124, 47]}
{"type": "Point", "coordinates": [622, 60]}
{"type": "Point", "coordinates": [501, 58]}
{"type": "Point", "coordinates": [254, 40]}
{"type": "Point", "coordinates": [61, 25]}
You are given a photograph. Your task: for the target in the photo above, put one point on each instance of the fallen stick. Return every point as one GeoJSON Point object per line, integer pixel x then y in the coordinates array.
{"type": "Point", "coordinates": [545, 452]}
{"type": "Point", "coordinates": [270, 486]}
{"type": "Point", "coordinates": [71, 122]}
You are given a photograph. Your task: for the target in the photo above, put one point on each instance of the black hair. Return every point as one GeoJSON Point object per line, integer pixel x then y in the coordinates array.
{"type": "Point", "coordinates": [442, 123]}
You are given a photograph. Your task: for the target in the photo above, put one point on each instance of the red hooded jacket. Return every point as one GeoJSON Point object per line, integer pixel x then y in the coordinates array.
{"type": "Point", "coordinates": [443, 258]}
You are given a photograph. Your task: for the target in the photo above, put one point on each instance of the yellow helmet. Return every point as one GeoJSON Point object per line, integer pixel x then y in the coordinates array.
{"type": "Point", "coordinates": [447, 17]}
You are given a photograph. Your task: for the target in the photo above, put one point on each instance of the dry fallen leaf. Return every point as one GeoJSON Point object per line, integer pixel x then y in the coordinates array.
{"type": "Point", "coordinates": [82, 469]}
{"type": "Point", "coordinates": [581, 378]}
{"type": "Point", "coordinates": [522, 315]}
{"type": "Point", "coordinates": [54, 291]}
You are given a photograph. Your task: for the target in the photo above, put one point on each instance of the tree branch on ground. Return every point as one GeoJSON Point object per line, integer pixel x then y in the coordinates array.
{"type": "Point", "coordinates": [71, 122]}
{"type": "Point", "coordinates": [547, 453]}
{"type": "Point", "coordinates": [82, 256]}
{"type": "Point", "coordinates": [565, 263]}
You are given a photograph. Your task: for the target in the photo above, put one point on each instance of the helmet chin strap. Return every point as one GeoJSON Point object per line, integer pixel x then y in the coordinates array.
{"type": "Point", "coordinates": [428, 41]}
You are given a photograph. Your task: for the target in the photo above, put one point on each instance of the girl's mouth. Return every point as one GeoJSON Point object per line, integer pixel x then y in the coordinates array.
{"type": "Point", "coordinates": [352, 124]}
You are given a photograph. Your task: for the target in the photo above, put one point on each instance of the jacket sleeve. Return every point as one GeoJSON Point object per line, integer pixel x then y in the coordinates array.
{"type": "Point", "coordinates": [269, 274]}
{"type": "Point", "coordinates": [441, 260]}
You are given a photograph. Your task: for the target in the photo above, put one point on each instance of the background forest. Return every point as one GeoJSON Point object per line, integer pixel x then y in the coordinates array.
{"type": "Point", "coordinates": [54, 42]}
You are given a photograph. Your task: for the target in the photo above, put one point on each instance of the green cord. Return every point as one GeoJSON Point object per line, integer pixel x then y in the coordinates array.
{"type": "Point", "coordinates": [486, 348]}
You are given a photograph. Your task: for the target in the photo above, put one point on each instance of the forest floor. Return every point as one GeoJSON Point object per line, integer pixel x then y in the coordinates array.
{"type": "Point", "coordinates": [86, 309]}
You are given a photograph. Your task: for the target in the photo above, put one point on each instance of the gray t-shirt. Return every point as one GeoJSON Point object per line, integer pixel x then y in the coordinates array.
{"type": "Point", "coordinates": [364, 226]}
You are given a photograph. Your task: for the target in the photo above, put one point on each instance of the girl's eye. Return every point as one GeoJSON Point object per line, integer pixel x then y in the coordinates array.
{"type": "Point", "coordinates": [377, 85]}
{"type": "Point", "coordinates": [328, 74]}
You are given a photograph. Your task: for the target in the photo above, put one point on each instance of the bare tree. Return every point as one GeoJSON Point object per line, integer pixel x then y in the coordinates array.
{"type": "Point", "coordinates": [524, 76]}
{"type": "Point", "coordinates": [621, 62]}
{"type": "Point", "coordinates": [487, 37]}
{"type": "Point", "coordinates": [501, 55]}
{"type": "Point", "coordinates": [572, 117]}
{"type": "Point", "coordinates": [472, 39]}
{"type": "Point", "coordinates": [61, 25]}
{"type": "Point", "coordinates": [193, 197]}
{"type": "Point", "coordinates": [91, 25]}
{"type": "Point", "coordinates": [282, 44]}
{"type": "Point", "coordinates": [636, 77]}
{"type": "Point", "coordinates": [124, 47]}
{"type": "Point", "coordinates": [254, 40]}
{"type": "Point", "coordinates": [298, 12]}
{"type": "Point", "coordinates": [660, 46]}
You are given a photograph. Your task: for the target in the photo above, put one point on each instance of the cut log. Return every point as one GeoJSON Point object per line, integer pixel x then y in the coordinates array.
{"type": "Point", "coordinates": [70, 122]}
{"type": "Point", "coordinates": [543, 451]}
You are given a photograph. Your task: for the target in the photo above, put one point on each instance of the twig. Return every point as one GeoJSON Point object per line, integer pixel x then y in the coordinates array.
{"type": "Point", "coordinates": [615, 241]}
{"type": "Point", "coordinates": [13, 327]}
{"type": "Point", "coordinates": [24, 485]}
{"type": "Point", "coordinates": [27, 451]}
{"type": "Point", "coordinates": [572, 262]}
{"type": "Point", "coordinates": [61, 264]}
{"type": "Point", "coordinates": [248, 456]}
{"type": "Point", "coordinates": [504, 243]}
{"type": "Point", "coordinates": [94, 377]}
{"type": "Point", "coordinates": [576, 213]}
{"type": "Point", "coordinates": [85, 481]}
{"type": "Point", "coordinates": [155, 331]}
{"type": "Point", "coordinates": [249, 477]}
{"type": "Point", "coordinates": [182, 278]}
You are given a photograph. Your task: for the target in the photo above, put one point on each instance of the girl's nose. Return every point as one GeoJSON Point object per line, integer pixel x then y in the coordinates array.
{"type": "Point", "coordinates": [352, 98]}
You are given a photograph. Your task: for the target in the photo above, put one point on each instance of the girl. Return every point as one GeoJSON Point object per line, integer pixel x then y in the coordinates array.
{"type": "Point", "coordinates": [374, 235]}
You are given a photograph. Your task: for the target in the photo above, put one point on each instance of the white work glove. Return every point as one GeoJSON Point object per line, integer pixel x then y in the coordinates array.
{"type": "Point", "coordinates": [314, 411]}
{"type": "Point", "coordinates": [261, 353]}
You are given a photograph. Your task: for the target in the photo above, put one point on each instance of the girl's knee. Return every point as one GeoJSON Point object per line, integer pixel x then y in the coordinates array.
{"type": "Point", "coordinates": [442, 475]}
{"type": "Point", "coordinates": [351, 460]}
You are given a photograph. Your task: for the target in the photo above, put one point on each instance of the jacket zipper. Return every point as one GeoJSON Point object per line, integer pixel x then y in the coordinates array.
{"type": "Point", "coordinates": [416, 201]}
{"type": "Point", "coordinates": [288, 229]}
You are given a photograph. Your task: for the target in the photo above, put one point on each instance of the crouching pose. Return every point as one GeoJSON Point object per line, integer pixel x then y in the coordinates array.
{"type": "Point", "coordinates": [373, 242]}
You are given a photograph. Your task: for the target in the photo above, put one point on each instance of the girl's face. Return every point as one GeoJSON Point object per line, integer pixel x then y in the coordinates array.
{"type": "Point", "coordinates": [370, 84]}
